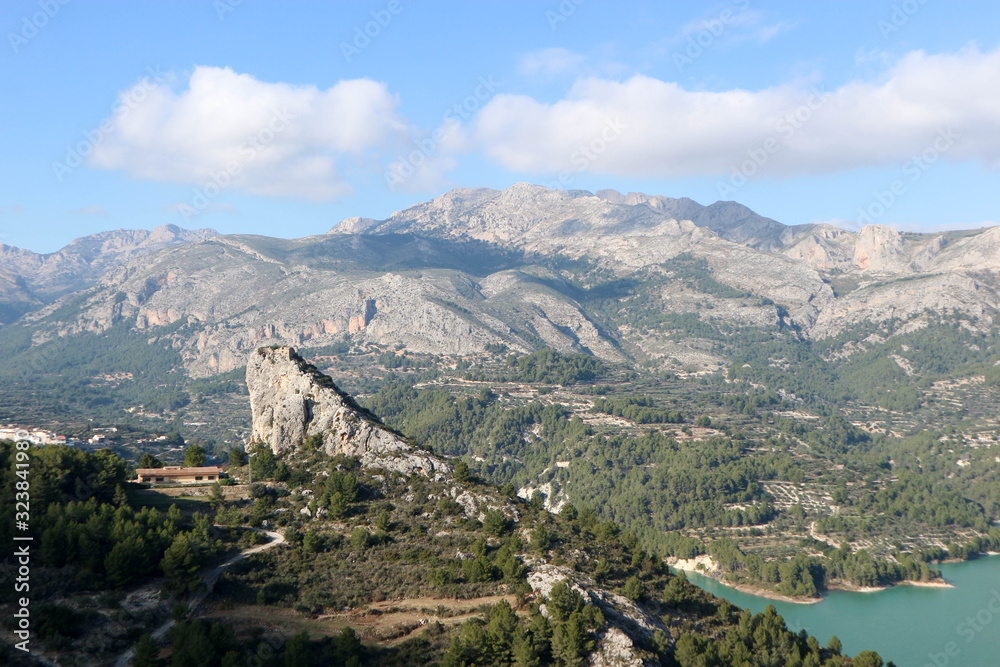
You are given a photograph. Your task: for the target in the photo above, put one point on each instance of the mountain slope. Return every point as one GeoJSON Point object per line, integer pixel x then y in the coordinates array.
{"type": "Point", "coordinates": [811, 270]}
{"type": "Point", "coordinates": [29, 280]}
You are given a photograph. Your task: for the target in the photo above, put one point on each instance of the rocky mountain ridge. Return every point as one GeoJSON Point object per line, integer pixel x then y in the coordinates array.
{"type": "Point", "coordinates": [29, 280]}
{"type": "Point", "coordinates": [522, 267]}
{"type": "Point", "coordinates": [795, 266]}
{"type": "Point", "coordinates": [292, 402]}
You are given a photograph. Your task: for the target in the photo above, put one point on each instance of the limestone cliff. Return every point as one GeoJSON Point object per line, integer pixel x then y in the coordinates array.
{"type": "Point", "coordinates": [291, 401]}
{"type": "Point", "coordinates": [520, 267]}
{"type": "Point", "coordinates": [880, 249]}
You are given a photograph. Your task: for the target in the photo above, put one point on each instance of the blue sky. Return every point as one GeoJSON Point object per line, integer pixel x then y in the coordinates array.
{"type": "Point", "coordinates": [284, 118]}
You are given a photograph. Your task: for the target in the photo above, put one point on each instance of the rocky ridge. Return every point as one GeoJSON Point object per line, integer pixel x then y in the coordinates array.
{"type": "Point", "coordinates": [29, 279]}
{"type": "Point", "coordinates": [627, 622]}
{"type": "Point", "coordinates": [477, 266]}
{"type": "Point", "coordinates": [242, 292]}
{"type": "Point", "coordinates": [795, 266]}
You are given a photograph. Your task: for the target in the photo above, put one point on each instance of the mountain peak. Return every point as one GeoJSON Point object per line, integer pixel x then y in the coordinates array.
{"type": "Point", "coordinates": [525, 208]}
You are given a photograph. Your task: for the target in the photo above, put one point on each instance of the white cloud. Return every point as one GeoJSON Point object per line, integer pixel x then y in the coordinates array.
{"type": "Point", "coordinates": [548, 62]}
{"type": "Point", "coordinates": [765, 33]}
{"type": "Point", "coordinates": [730, 25]}
{"type": "Point", "coordinates": [673, 132]}
{"type": "Point", "coordinates": [262, 138]}
{"type": "Point", "coordinates": [431, 156]}
{"type": "Point", "coordinates": [94, 209]}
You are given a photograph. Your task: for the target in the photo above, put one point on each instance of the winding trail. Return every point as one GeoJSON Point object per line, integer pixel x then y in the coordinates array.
{"type": "Point", "coordinates": [822, 538]}
{"type": "Point", "coordinates": [209, 579]}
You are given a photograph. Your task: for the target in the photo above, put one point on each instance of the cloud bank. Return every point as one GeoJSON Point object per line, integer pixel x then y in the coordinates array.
{"type": "Point", "coordinates": [673, 132]}
{"type": "Point", "coordinates": [279, 139]}
{"type": "Point", "coordinates": [261, 138]}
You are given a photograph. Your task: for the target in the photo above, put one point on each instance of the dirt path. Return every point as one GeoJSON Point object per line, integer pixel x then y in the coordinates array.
{"type": "Point", "coordinates": [386, 623]}
{"type": "Point", "coordinates": [209, 579]}
{"type": "Point", "coordinates": [822, 538]}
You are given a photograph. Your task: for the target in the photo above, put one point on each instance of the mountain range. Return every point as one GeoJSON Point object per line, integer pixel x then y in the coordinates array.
{"type": "Point", "coordinates": [526, 267]}
{"type": "Point", "coordinates": [29, 280]}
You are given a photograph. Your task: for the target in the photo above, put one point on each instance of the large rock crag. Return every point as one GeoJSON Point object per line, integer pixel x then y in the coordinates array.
{"type": "Point", "coordinates": [291, 401]}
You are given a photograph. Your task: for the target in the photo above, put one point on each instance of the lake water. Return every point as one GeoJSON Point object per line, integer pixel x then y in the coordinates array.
{"type": "Point", "coordinates": [912, 626]}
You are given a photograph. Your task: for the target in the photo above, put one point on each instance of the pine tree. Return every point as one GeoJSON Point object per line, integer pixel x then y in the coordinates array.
{"type": "Point", "coordinates": [570, 643]}
{"type": "Point", "coordinates": [338, 505]}
{"type": "Point", "coordinates": [217, 498]}
{"type": "Point", "coordinates": [634, 589]}
{"type": "Point", "coordinates": [180, 563]}
{"type": "Point", "coordinates": [194, 456]}
{"type": "Point", "coordinates": [311, 543]}
{"type": "Point", "coordinates": [147, 460]}
{"type": "Point", "coordinates": [145, 652]}
{"type": "Point", "coordinates": [298, 652]}
{"type": "Point", "coordinates": [237, 457]}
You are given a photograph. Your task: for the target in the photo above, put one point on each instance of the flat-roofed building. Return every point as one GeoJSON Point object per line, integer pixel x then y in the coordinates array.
{"type": "Point", "coordinates": [179, 475]}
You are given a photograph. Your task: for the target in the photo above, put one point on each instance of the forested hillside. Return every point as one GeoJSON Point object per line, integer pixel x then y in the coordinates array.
{"type": "Point", "coordinates": [361, 548]}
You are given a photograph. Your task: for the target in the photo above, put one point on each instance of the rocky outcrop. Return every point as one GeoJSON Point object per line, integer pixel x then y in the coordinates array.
{"type": "Point", "coordinates": [825, 247]}
{"type": "Point", "coordinates": [291, 401]}
{"type": "Point", "coordinates": [628, 624]}
{"type": "Point", "coordinates": [880, 249]}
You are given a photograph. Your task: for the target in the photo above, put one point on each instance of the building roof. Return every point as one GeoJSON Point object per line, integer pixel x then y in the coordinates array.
{"type": "Point", "coordinates": [177, 471]}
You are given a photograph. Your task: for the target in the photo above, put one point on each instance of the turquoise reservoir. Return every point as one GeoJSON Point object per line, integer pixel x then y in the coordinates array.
{"type": "Point", "coordinates": [910, 625]}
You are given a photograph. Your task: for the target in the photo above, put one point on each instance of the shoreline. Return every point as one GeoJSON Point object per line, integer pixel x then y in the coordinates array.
{"type": "Point", "coordinates": [927, 584]}
{"type": "Point", "coordinates": [711, 570]}
{"type": "Point", "coordinates": [851, 588]}
{"type": "Point", "coordinates": [768, 594]}
{"type": "Point", "coordinates": [706, 567]}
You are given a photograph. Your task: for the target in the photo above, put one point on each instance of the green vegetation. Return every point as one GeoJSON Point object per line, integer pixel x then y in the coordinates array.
{"type": "Point", "coordinates": [639, 409]}
{"type": "Point", "coordinates": [396, 544]}
{"type": "Point", "coordinates": [551, 367]}
{"type": "Point", "coordinates": [82, 519]}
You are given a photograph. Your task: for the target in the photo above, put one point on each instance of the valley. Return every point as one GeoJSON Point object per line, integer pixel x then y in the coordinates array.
{"type": "Point", "coordinates": [721, 390]}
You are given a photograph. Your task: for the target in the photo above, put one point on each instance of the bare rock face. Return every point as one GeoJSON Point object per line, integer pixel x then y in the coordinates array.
{"type": "Point", "coordinates": [880, 249]}
{"type": "Point", "coordinates": [470, 269]}
{"type": "Point", "coordinates": [292, 401]}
